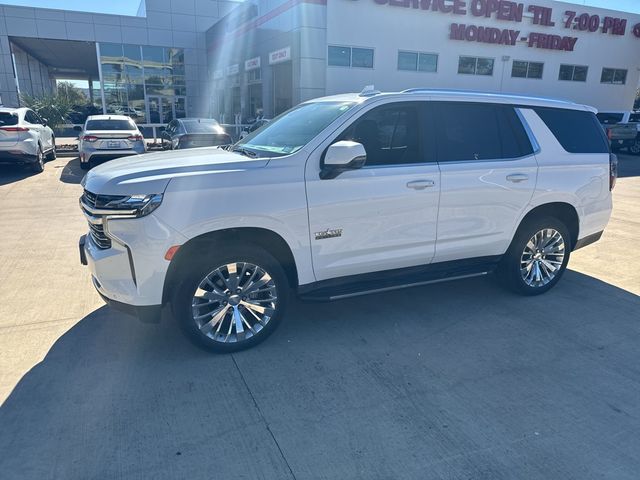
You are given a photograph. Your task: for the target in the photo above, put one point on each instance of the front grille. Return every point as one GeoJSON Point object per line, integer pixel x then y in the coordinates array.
{"type": "Point", "coordinates": [96, 231]}
{"type": "Point", "coordinates": [100, 201]}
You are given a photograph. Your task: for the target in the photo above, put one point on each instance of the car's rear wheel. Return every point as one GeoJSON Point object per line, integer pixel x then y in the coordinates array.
{"type": "Point", "coordinates": [634, 149]}
{"type": "Point", "coordinates": [52, 155]}
{"type": "Point", "coordinates": [231, 299]}
{"type": "Point", "coordinates": [537, 257]}
{"type": "Point", "coordinates": [38, 165]}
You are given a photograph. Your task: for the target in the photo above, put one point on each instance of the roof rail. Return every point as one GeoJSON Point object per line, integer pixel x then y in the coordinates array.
{"type": "Point", "coordinates": [485, 93]}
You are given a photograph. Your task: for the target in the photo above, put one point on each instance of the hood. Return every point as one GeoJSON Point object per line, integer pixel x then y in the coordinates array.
{"type": "Point", "coordinates": [151, 172]}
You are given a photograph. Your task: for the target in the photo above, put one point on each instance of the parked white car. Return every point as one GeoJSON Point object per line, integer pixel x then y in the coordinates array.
{"type": "Point", "coordinates": [25, 138]}
{"type": "Point", "coordinates": [348, 195]}
{"type": "Point", "coordinates": [105, 137]}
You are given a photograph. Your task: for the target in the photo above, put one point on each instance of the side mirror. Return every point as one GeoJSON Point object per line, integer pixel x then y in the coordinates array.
{"type": "Point", "coordinates": [77, 128]}
{"type": "Point", "coordinates": [341, 157]}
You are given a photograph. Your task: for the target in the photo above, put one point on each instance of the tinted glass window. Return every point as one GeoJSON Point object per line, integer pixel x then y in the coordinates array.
{"type": "Point", "coordinates": [389, 134]}
{"type": "Point", "coordinates": [609, 118]}
{"type": "Point", "coordinates": [362, 57]}
{"type": "Point", "coordinates": [428, 62]}
{"type": "Point", "coordinates": [634, 117]}
{"type": "Point", "coordinates": [111, 125]}
{"type": "Point", "coordinates": [514, 139]}
{"type": "Point", "coordinates": [407, 61]}
{"type": "Point", "coordinates": [31, 117]}
{"type": "Point", "coordinates": [339, 56]}
{"type": "Point", "coordinates": [467, 131]}
{"type": "Point", "coordinates": [577, 131]}
{"type": "Point", "coordinates": [7, 118]}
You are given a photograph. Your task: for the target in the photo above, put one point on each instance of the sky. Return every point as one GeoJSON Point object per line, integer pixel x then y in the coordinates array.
{"type": "Point", "coordinates": [130, 7]}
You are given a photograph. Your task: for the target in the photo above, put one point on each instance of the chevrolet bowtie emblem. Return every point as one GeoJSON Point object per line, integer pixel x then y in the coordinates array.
{"type": "Point", "coordinates": [329, 233]}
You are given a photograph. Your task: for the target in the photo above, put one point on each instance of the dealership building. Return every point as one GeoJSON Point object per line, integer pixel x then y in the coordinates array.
{"type": "Point", "coordinates": [234, 59]}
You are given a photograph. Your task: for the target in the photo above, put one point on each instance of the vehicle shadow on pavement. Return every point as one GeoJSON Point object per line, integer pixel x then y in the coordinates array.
{"type": "Point", "coordinates": [14, 173]}
{"type": "Point", "coordinates": [456, 380]}
{"type": "Point", "coordinates": [72, 173]}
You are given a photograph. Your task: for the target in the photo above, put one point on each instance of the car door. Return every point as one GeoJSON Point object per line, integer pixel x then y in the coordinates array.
{"type": "Point", "coordinates": [37, 126]}
{"type": "Point", "coordinates": [47, 133]}
{"type": "Point", "coordinates": [382, 216]}
{"type": "Point", "coordinates": [488, 176]}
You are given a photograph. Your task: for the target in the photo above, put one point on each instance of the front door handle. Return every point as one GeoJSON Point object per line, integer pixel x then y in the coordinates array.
{"type": "Point", "coordinates": [421, 184]}
{"type": "Point", "coordinates": [518, 177]}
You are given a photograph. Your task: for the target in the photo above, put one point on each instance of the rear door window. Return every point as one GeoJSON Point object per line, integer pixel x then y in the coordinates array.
{"type": "Point", "coordinates": [577, 131]}
{"type": "Point", "coordinates": [479, 131]}
{"type": "Point", "coordinates": [634, 117]}
{"type": "Point", "coordinates": [7, 118]}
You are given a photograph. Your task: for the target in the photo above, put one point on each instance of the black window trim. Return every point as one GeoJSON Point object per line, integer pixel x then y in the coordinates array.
{"type": "Point", "coordinates": [351, 47]}
{"type": "Point", "coordinates": [626, 70]}
{"type": "Point", "coordinates": [573, 72]}
{"type": "Point", "coordinates": [528, 62]}
{"type": "Point", "coordinates": [417, 70]}
{"type": "Point", "coordinates": [475, 70]}
{"type": "Point", "coordinates": [535, 146]}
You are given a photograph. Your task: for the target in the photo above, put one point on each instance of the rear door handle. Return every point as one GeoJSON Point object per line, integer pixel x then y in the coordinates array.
{"type": "Point", "coordinates": [518, 177]}
{"type": "Point", "coordinates": [421, 184]}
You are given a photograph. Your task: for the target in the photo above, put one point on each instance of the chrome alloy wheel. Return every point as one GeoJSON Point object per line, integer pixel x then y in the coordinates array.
{"type": "Point", "coordinates": [542, 258]}
{"type": "Point", "coordinates": [234, 302]}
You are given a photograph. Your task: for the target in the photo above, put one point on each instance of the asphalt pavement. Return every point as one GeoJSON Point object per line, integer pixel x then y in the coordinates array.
{"type": "Point", "coordinates": [459, 380]}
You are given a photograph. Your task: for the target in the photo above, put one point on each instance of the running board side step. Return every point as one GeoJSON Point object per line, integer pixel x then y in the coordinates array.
{"type": "Point", "coordinates": [378, 282]}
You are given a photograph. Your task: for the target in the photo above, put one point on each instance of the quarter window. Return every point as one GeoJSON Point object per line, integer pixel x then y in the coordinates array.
{"type": "Point", "coordinates": [350, 57]}
{"type": "Point", "coordinates": [573, 73]}
{"type": "Point", "coordinates": [577, 131]}
{"type": "Point", "coordinates": [614, 76]}
{"type": "Point", "coordinates": [389, 134]}
{"type": "Point", "coordinates": [416, 61]}
{"type": "Point", "coordinates": [522, 69]}
{"type": "Point", "coordinates": [475, 66]}
{"type": "Point", "coordinates": [479, 131]}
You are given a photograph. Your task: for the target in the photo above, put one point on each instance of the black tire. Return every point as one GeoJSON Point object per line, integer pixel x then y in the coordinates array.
{"type": "Point", "coordinates": [635, 148]}
{"type": "Point", "coordinates": [510, 269]}
{"type": "Point", "coordinates": [38, 165]}
{"type": "Point", "coordinates": [196, 268]}
{"type": "Point", "coordinates": [52, 155]}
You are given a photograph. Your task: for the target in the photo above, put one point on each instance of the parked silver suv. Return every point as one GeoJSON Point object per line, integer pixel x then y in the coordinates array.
{"type": "Point", "coordinates": [105, 137]}
{"type": "Point", "coordinates": [25, 138]}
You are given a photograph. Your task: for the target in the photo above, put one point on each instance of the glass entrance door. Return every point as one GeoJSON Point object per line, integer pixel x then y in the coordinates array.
{"type": "Point", "coordinates": [161, 110]}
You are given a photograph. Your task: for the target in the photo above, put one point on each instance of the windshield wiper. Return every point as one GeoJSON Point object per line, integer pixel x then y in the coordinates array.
{"type": "Point", "coordinates": [245, 152]}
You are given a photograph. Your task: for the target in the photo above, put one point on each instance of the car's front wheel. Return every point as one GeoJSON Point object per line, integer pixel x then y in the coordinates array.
{"type": "Point", "coordinates": [231, 299]}
{"type": "Point", "coordinates": [537, 257]}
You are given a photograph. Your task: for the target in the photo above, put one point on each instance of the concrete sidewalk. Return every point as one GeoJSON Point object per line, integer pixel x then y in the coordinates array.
{"type": "Point", "coordinates": [451, 381]}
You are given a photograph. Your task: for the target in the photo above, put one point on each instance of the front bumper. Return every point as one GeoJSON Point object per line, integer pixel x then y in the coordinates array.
{"type": "Point", "coordinates": [132, 271]}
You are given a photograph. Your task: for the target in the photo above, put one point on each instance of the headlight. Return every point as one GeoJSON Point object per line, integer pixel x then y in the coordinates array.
{"type": "Point", "coordinates": [142, 204]}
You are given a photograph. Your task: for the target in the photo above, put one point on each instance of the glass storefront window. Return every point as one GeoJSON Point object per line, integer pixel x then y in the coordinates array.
{"type": "Point", "coordinates": [129, 72]}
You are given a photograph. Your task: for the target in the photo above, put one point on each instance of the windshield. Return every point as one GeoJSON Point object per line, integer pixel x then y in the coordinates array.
{"type": "Point", "coordinates": [111, 125]}
{"type": "Point", "coordinates": [292, 130]}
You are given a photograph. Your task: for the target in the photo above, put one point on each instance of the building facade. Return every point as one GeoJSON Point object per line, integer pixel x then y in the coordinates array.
{"type": "Point", "coordinates": [542, 47]}
{"type": "Point", "coordinates": [152, 66]}
{"type": "Point", "coordinates": [234, 60]}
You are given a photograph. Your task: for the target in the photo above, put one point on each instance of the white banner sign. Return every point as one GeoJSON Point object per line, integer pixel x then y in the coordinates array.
{"type": "Point", "coordinates": [233, 69]}
{"type": "Point", "coordinates": [252, 64]}
{"type": "Point", "coordinates": [282, 55]}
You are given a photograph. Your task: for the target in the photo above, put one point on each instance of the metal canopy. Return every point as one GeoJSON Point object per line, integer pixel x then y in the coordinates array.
{"type": "Point", "coordinates": [65, 58]}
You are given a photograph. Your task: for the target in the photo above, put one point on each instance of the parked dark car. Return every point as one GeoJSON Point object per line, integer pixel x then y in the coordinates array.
{"type": "Point", "coordinates": [193, 132]}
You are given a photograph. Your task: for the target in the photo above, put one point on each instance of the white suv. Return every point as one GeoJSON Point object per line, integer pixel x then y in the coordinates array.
{"type": "Point", "coordinates": [348, 195]}
{"type": "Point", "coordinates": [25, 138]}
